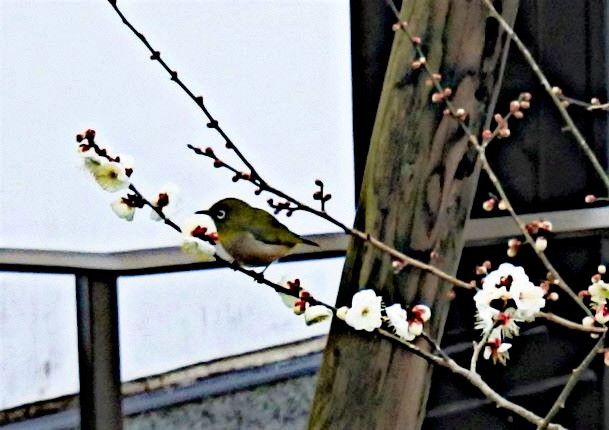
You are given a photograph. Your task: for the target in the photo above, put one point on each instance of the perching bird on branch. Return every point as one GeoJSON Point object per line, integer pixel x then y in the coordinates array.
{"type": "Point", "coordinates": [253, 237]}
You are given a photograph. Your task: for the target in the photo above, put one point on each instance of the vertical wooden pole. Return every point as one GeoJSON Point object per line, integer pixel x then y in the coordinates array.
{"type": "Point", "coordinates": [98, 352]}
{"type": "Point", "coordinates": [418, 187]}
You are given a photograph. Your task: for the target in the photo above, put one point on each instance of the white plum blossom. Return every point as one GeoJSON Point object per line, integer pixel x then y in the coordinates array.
{"type": "Point", "coordinates": [287, 299]}
{"type": "Point", "coordinates": [167, 200]}
{"type": "Point", "coordinates": [421, 313]}
{"type": "Point", "coordinates": [111, 176]}
{"type": "Point", "coordinates": [341, 313]}
{"type": "Point", "coordinates": [507, 296]}
{"type": "Point", "coordinates": [589, 321]}
{"type": "Point", "coordinates": [505, 270]}
{"type": "Point", "coordinates": [194, 229]}
{"type": "Point", "coordinates": [602, 314]}
{"type": "Point", "coordinates": [123, 209]}
{"type": "Point", "coordinates": [529, 300]}
{"type": "Point", "coordinates": [503, 320]}
{"type": "Point", "coordinates": [486, 314]}
{"type": "Point", "coordinates": [398, 320]}
{"type": "Point", "coordinates": [316, 313]}
{"type": "Point", "coordinates": [365, 311]}
{"type": "Point", "coordinates": [599, 292]}
{"type": "Point", "coordinates": [415, 328]}
{"type": "Point", "coordinates": [89, 155]}
{"type": "Point", "coordinates": [496, 349]}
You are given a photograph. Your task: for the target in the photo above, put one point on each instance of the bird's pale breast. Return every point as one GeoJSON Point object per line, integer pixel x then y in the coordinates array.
{"type": "Point", "coordinates": [249, 251]}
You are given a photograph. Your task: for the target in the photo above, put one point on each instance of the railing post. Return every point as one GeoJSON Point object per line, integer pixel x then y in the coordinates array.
{"type": "Point", "coordinates": [98, 351]}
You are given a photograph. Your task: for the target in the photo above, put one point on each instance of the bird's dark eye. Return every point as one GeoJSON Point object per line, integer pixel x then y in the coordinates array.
{"type": "Point", "coordinates": [221, 214]}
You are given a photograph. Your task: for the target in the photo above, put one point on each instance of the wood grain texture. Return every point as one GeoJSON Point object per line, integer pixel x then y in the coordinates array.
{"type": "Point", "coordinates": [415, 195]}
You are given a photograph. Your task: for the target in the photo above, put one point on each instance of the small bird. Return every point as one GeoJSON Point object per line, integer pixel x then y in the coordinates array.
{"type": "Point", "coordinates": [253, 237]}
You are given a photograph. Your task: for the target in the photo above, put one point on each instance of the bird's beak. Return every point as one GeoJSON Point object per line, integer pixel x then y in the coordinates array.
{"type": "Point", "coordinates": [204, 212]}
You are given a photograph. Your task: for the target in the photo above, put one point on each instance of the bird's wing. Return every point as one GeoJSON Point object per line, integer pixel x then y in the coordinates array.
{"type": "Point", "coordinates": [272, 231]}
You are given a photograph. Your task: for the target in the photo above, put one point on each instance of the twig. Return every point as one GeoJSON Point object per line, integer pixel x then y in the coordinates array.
{"type": "Point", "coordinates": [498, 85]}
{"type": "Point", "coordinates": [570, 324]}
{"type": "Point", "coordinates": [562, 284]}
{"type": "Point", "coordinates": [570, 385]}
{"type": "Point", "coordinates": [477, 349]}
{"type": "Point", "coordinates": [256, 179]}
{"type": "Point", "coordinates": [579, 138]}
{"type": "Point", "coordinates": [485, 164]}
{"type": "Point", "coordinates": [156, 56]}
{"type": "Point", "coordinates": [471, 376]}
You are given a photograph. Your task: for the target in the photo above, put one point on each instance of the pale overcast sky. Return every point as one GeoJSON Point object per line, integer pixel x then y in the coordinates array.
{"type": "Point", "coordinates": [275, 73]}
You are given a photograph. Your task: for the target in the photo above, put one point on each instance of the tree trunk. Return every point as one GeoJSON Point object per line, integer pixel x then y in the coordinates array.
{"type": "Point", "coordinates": [418, 187]}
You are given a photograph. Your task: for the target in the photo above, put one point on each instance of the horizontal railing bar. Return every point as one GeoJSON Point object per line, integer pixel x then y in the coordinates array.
{"type": "Point", "coordinates": [566, 224]}
{"type": "Point", "coordinates": [478, 232]}
{"type": "Point", "coordinates": [145, 261]}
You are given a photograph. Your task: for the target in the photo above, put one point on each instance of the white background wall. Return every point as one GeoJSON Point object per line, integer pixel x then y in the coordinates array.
{"type": "Point", "coordinates": [275, 74]}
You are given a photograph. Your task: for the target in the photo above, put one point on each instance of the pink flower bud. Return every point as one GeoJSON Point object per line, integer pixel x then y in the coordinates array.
{"type": "Point", "coordinates": [553, 296]}
{"type": "Point", "coordinates": [556, 91]}
{"type": "Point", "coordinates": [590, 198]}
{"type": "Point", "coordinates": [514, 106]}
{"type": "Point", "coordinates": [514, 243]}
{"type": "Point", "coordinates": [437, 97]}
{"type": "Point", "coordinates": [525, 96]}
{"type": "Point", "coordinates": [488, 205]}
{"type": "Point", "coordinates": [541, 243]}
{"type": "Point", "coordinates": [505, 132]}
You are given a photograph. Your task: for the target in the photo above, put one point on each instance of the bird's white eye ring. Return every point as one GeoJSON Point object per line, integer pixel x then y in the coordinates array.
{"type": "Point", "coordinates": [220, 214]}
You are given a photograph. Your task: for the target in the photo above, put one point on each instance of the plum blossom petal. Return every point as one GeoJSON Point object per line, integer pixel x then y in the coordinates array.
{"type": "Point", "coordinates": [507, 296]}
{"type": "Point", "coordinates": [415, 328]}
{"type": "Point", "coordinates": [496, 349]}
{"type": "Point", "coordinates": [167, 200]}
{"type": "Point", "coordinates": [316, 314]}
{"type": "Point", "coordinates": [529, 300]}
{"type": "Point", "coordinates": [289, 284]}
{"type": "Point", "coordinates": [398, 320]}
{"type": "Point", "coordinates": [422, 313]}
{"type": "Point", "coordinates": [111, 176]}
{"type": "Point", "coordinates": [602, 314]}
{"type": "Point", "coordinates": [365, 311]}
{"type": "Point", "coordinates": [198, 231]}
{"type": "Point", "coordinates": [599, 291]}
{"type": "Point", "coordinates": [123, 209]}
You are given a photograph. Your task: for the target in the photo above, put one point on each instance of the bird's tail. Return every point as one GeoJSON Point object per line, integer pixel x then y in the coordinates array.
{"type": "Point", "coordinates": [309, 242]}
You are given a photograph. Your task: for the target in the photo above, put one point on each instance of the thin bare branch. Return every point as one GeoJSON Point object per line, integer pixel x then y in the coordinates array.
{"type": "Point", "coordinates": [570, 324]}
{"type": "Point", "coordinates": [579, 138]}
{"type": "Point", "coordinates": [570, 385]}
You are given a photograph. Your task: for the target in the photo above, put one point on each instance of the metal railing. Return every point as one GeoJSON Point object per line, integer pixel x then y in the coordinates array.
{"type": "Point", "coordinates": [96, 277]}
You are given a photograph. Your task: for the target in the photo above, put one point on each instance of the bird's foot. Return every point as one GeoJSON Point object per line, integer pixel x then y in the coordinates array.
{"type": "Point", "coordinates": [259, 277]}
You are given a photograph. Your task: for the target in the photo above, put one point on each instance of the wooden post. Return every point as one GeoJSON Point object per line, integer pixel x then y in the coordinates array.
{"type": "Point", "coordinates": [418, 187]}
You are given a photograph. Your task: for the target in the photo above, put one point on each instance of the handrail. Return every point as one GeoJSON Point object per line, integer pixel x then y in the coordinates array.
{"type": "Point", "coordinates": [478, 232]}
